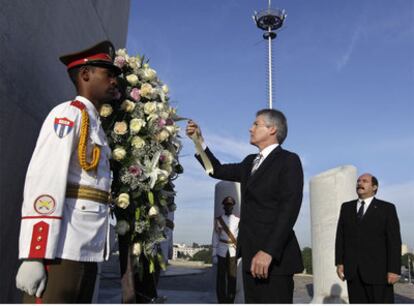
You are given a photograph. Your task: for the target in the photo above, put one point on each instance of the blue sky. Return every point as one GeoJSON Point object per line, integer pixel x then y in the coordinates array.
{"type": "Point", "coordinates": [344, 77]}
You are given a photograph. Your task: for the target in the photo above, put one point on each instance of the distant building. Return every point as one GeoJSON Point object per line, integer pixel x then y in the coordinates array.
{"type": "Point", "coordinates": [404, 249]}
{"type": "Point", "coordinates": [182, 249]}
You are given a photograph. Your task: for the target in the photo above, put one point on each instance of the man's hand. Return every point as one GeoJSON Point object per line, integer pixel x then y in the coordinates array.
{"type": "Point", "coordinates": [392, 278]}
{"type": "Point", "coordinates": [215, 260]}
{"type": "Point", "coordinates": [260, 264]}
{"type": "Point", "coordinates": [192, 128]}
{"type": "Point", "coordinates": [340, 272]}
{"type": "Point", "coordinates": [31, 277]}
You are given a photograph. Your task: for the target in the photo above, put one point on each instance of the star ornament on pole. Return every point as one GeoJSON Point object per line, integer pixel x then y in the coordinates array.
{"type": "Point", "coordinates": [269, 21]}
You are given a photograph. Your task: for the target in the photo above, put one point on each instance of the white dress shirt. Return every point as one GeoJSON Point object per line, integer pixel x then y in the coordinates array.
{"type": "Point", "coordinates": [266, 151]}
{"type": "Point", "coordinates": [367, 202]}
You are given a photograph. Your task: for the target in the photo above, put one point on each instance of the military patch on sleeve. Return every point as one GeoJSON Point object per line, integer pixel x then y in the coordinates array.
{"type": "Point", "coordinates": [44, 204]}
{"type": "Point", "coordinates": [63, 126]}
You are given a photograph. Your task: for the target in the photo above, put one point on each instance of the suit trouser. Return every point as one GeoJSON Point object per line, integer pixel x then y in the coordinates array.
{"type": "Point", "coordinates": [67, 282]}
{"type": "Point", "coordinates": [276, 289]}
{"type": "Point", "coordinates": [226, 279]}
{"type": "Point", "coordinates": [360, 292]}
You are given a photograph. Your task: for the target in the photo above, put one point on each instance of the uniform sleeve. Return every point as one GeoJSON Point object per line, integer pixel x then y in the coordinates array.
{"type": "Point", "coordinates": [227, 172]}
{"type": "Point", "coordinates": [45, 185]}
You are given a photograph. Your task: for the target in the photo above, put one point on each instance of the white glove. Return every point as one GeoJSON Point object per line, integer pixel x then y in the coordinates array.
{"type": "Point", "coordinates": [215, 260]}
{"type": "Point", "coordinates": [31, 277]}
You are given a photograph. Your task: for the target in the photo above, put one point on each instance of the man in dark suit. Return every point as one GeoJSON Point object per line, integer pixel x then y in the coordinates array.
{"type": "Point", "coordinates": [368, 245]}
{"type": "Point", "coordinates": [271, 196]}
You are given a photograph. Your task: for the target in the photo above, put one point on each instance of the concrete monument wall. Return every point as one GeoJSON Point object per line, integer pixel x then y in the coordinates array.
{"type": "Point", "coordinates": [33, 34]}
{"type": "Point", "coordinates": [328, 190]}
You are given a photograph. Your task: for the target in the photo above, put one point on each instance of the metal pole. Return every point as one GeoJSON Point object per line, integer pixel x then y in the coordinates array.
{"type": "Point", "coordinates": [270, 70]}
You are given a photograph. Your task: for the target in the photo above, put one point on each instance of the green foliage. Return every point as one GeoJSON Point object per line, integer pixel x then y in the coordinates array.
{"type": "Point", "coordinates": [203, 255]}
{"type": "Point", "coordinates": [404, 260]}
{"type": "Point", "coordinates": [307, 260]}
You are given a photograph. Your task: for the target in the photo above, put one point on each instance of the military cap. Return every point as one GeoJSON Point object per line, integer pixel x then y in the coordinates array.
{"type": "Point", "coordinates": [101, 54]}
{"type": "Point", "coordinates": [228, 201]}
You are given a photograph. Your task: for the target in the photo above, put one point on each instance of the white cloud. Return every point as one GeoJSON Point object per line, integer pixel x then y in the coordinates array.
{"type": "Point", "coordinates": [235, 148]}
{"type": "Point", "coordinates": [344, 59]}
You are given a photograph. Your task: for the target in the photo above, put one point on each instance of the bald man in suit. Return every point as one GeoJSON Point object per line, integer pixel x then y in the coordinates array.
{"type": "Point", "coordinates": [368, 245]}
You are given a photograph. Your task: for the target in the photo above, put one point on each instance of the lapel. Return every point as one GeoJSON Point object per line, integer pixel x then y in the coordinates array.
{"type": "Point", "coordinates": [354, 212]}
{"type": "Point", "coordinates": [264, 167]}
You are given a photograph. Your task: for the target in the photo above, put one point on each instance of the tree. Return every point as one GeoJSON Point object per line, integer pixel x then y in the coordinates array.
{"type": "Point", "coordinates": [404, 261]}
{"type": "Point", "coordinates": [203, 255]}
{"type": "Point", "coordinates": [307, 260]}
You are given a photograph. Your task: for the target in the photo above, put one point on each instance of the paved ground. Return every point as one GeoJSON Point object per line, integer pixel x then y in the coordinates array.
{"type": "Point", "coordinates": [196, 285]}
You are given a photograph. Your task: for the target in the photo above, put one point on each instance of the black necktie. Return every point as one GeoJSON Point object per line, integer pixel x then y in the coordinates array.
{"type": "Point", "coordinates": [360, 213]}
{"type": "Point", "coordinates": [256, 162]}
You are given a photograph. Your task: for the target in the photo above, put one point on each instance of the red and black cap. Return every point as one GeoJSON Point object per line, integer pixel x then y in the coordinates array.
{"type": "Point", "coordinates": [228, 201]}
{"type": "Point", "coordinates": [102, 55]}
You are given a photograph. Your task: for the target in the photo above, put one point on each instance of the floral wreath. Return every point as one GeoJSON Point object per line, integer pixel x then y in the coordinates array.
{"type": "Point", "coordinates": [143, 136]}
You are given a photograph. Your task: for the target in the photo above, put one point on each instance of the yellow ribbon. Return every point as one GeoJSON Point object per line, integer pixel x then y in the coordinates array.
{"type": "Point", "coordinates": [199, 148]}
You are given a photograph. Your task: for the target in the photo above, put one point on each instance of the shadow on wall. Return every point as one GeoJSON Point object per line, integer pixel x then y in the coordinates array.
{"type": "Point", "coordinates": [335, 296]}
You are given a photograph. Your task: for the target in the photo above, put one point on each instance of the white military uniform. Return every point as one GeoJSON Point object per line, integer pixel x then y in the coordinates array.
{"type": "Point", "coordinates": [221, 241]}
{"type": "Point", "coordinates": [52, 225]}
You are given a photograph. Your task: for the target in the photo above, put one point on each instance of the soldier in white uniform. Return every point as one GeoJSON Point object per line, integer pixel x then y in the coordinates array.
{"type": "Point", "coordinates": [64, 226]}
{"type": "Point", "coordinates": [226, 228]}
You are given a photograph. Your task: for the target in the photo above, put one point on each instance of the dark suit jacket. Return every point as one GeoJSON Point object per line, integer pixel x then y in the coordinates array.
{"type": "Point", "coordinates": [270, 204]}
{"type": "Point", "coordinates": [372, 245]}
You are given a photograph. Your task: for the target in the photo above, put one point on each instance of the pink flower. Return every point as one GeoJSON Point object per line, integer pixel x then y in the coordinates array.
{"type": "Point", "coordinates": [162, 158]}
{"type": "Point", "coordinates": [161, 122]}
{"type": "Point", "coordinates": [135, 94]}
{"type": "Point", "coordinates": [135, 170]}
{"type": "Point", "coordinates": [120, 61]}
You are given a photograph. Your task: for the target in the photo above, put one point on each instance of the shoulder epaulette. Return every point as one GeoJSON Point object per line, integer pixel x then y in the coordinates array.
{"type": "Point", "coordinates": [78, 104]}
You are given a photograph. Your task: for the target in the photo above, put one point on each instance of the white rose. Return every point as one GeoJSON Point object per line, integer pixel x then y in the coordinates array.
{"type": "Point", "coordinates": [164, 115]}
{"type": "Point", "coordinates": [134, 63]}
{"type": "Point", "coordinates": [132, 79]}
{"type": "Point", "coordinates": [163, 176]}
{"type": "Point", "coordinates": [121, 52]}
{"type": "Point", "coordinates": [165, 89]}
{"type": "Point", "coordinates": [136, 249]}
{"type": "Point", "coordinates": [120, 128]}
{"type": "Point", "coordinates": [148, 74]}
{"type": "Point", "coordinates": [128, 106]}
{"type": "Point", "coordinates": [162, 135]}
{"type": "Point", "coordinates": [167, 168]}
{"type": "Point", "coordinates": [123, 200]}
{"type": "Point", "coordinates": [153, 211]}
{"type": "Point", "coordinates": [167, 157]}
{"type": "Point", "coordinates": [150, 107]}
{"type": "Point", "coordinates": [106, 110]}
{"type": "Point", "coordinates": [137, 142]}
{"type": "Point", "coordinates": [122, 227]}
{"type": "Point", "coordinates": [161, 107]}
{"type": "Point", "coordinates": [135, 125]}
{"type": "Point", "coordinates": [172, 129]}
{"type": "Point", "coordinates": [146, 90]}
{"type": "Point", "coordinates": [119, 153]}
